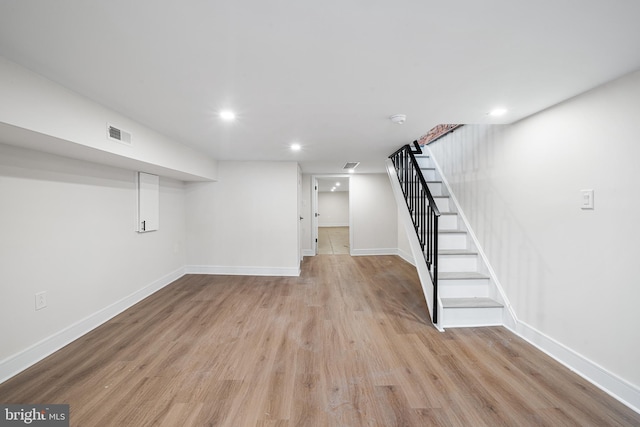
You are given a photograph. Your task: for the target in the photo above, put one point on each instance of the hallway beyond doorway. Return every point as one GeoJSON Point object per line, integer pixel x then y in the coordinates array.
{"type": "Point", "coordinates": [333, 240]}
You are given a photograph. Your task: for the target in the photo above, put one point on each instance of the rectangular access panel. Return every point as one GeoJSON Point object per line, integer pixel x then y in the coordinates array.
{"type": "Point", "coordinates": [148, 202]}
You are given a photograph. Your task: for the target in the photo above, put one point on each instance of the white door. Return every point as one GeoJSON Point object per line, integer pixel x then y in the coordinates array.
{"type": "Point", "coordinates": [315, 216]}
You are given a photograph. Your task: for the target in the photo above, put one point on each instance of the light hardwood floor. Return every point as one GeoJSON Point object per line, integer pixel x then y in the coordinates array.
{"type": "Point", "coordinates": [347, 343]}
{"type": "Point", "coordinates": [333, 240]}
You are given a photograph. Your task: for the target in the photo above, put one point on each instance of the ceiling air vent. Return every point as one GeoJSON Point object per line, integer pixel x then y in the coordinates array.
{"type": "Point", "coordinates": [118, 134]}
{"type": "Point", "coordinates": [351, 165]}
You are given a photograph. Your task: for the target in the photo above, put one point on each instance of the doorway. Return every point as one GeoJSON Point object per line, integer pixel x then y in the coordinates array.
{"type": "Point", "coordinates": [332, 218]}
{"type": "Point", "coordinates": [333, 240]}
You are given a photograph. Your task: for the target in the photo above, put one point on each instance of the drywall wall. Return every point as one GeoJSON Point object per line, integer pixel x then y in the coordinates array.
{"type": "Point", "coordinates": [570, 274]}
{"type": "Point", "coordinates": [40, 114]}
{"type": "Point", "coordinates": [333, 208]}
{"type": "Point", "coordinates": [374, 215]}
{"type": "Point", "coordinates": [246, 222]}
{"type": "Point", "coordinates": [404, 248]}
{"type": "Point", "coordinates": [68, 228]}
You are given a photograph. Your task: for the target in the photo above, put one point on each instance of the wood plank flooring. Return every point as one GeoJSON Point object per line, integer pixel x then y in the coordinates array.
{"type": "Point", "coordinates": [348, 343]}
{"type": "Point", "coordinates": [333, 240]}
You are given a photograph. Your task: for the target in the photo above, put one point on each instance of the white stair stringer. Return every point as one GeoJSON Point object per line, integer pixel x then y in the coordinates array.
{"type": "Point", "coordinates": [469, 292]}
{"type": "Point", "coordinates": [414, 243]}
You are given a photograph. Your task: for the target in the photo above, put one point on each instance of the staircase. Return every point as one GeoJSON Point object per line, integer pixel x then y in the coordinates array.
{"type": "Point", "coordinates": [464, 287]}
{"type": "Point", "coordinates": [466, 295]}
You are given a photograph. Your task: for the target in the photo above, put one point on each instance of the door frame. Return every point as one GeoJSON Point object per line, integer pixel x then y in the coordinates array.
{"type": "Point", "coordinates": [314, 209]}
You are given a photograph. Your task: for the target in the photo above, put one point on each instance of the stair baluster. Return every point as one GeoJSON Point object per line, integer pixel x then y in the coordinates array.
{"type": "Point", "coordinates": [422, 208]}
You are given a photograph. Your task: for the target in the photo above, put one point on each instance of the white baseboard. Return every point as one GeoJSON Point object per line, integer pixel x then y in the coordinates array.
{"type": "Point", "coordinates": [308, 252]}
{"type": "Point", "coordinates": [241, 271]}
{"type": "Point", "coordinates": [38, 351]}
{"type": "Point", "coordinates": [334, 224]}
{"type": "Point", "coordinates": [610, 383]}
{"type": "Point", "coordinates": [407, 256]}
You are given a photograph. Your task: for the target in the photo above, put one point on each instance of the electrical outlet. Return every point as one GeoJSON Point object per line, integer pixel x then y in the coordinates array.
{"type": "Point", "coordinates": [41, 300]}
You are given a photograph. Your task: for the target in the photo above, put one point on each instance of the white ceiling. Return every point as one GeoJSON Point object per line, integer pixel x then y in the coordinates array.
{"type": "Point", "coordinates": [326, 74]}
{"type": "Point", "coordinates": [326, 184]}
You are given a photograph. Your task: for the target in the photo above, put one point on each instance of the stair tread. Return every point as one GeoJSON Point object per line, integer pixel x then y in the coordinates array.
{"type": "Point", "coordinates": [472, 302]}
{"type": "Point", "coordinates": [452, 232]}
{"type": "Point", "coordinates": [435, 197]}
{"type": "Point", "coordinates": [465, 275]}
{"type": "Point", "coordinates": [456, 252]}
{"type": "Point", "coordinates": [441, 213]}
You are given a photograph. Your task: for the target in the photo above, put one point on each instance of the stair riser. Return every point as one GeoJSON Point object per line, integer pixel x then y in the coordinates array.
{"type": "Point", "coordinates": [452, 241]}
{"type": "Point", "coordinates": [429, 174]}
{"type": "Point", "coordinates": [442, 203]}
{"type": "Point", "coordinates": [448, 222]}
{"type": "Point", "coordinates": [462, 283]}
{"type": "Point", "coordinates": [435, 188]}
{"type": "Point", "coordinates": [458, 263]}
{"type": "Point", "coordinates": [462, 289]}
{"type": "Point", "coordinates": [424, 162]}
{"type": "Point", "coordinates": [460, 317]}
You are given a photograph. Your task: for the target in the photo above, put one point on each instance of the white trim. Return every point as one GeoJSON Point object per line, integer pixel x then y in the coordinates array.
{"type": "Point", "coordinates": [407, 256]}
{"type": "Point", "coordinates": [241, 271]}
{"type": "Point", "coordinates": [607, 381]}
{"type": "Point", "coordinates": [308, 252]}
{"type": "Point", "coordinates": [509, 318]}
{"type": "Point", "coordinates": [334, 224]}
{"type": "Point", "coordinates": [314, 208]}
{"type": "Point", "coordinates": [18, 362]}
{"type": "Point", "coordinates": [418, 256]}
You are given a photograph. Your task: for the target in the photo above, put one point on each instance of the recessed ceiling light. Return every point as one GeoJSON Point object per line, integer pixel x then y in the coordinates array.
{"type": "Point", "coordinates": [296, 147]}
{"type": "Point", "coordinates": [496, 112]}
{"type": "Point", "coordinates": [337, 184]}
{"type": "Point", "coordinates": [227, 115]}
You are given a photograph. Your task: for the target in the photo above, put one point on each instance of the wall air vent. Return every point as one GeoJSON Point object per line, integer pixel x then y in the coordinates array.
{"type": "Point", "coordinates": [119, 135]}
{"type": "Point", "coordinates": [351, 165]}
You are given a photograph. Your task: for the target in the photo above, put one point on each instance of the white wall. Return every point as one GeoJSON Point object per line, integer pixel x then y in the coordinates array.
{"type": "Point", "coordinates": [38, 113]}
{"type": "Point", "coordinates": [374, 215]}
{"type": "Point", "coordinates": [404, 248]}
{"type": "Point", "coordinates": [571, 275]}
{"type": "Point", "coordinates": [247, 222]}
{"type": "Point", "coordinates": [333, 208]}
{"type": "Point", "coordinates": [68, 228]}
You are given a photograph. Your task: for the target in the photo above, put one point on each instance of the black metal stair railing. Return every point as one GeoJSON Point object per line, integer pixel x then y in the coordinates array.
{"type": "Point", "coordinates": [422, 208]}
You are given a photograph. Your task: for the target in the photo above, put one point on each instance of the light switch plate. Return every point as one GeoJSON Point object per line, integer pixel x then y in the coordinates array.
{"type": "Point", "coordinates": [587, 199]}
{"type": "Point", "coordinates": [41, 300]}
